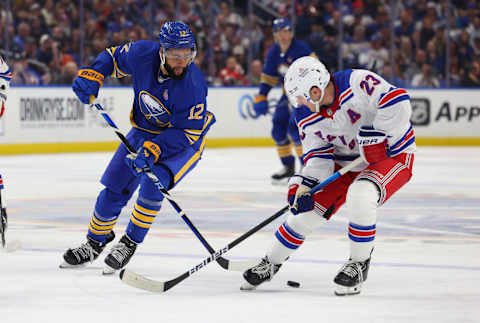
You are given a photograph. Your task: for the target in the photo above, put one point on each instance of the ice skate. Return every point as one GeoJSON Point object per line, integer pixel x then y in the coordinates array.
{"type": "Point", "coordinates": [86, 253]}
{"type": "Point", "coordinates": [282, 176]}
{"type": "Point", "coordinates": [120, 255]}
{"type": "Point", "coordinates": [260, 273]}
{"type": "Point", "coordinates": [351, 276]}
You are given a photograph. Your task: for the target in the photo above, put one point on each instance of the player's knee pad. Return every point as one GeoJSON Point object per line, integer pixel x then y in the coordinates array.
{"type": "Point", "coordinates": [362, 201]}
{"type": "Point", "coordinates": [305, 223]}
{"type": "Point", "coordinates": [110, 203]}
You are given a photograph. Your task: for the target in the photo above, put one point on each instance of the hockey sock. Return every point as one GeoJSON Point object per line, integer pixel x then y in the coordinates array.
{"type": "Point", "coordinates": [285, 154]}
{"type": "Point", "coordinates": [299, 151]}
{"type": "Point", "coordinates": [362, 200]}
{"type": "Point", "coordinates": [100, 227]}
{"type": "Point", "coordinates": [143, 215]}
{"type": "Point", "coordinates": [286, 242]}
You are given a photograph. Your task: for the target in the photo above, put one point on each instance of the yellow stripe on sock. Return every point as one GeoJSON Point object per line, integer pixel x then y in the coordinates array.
{"type": "Point", "coordinates": [101, 227]}
{"type": "Point", "coordinates": [101, 233]}
{"type": "Point", "coordinates": [100, 222]}
{"type": "Point", "coordinates": [140, 224]}
{"type": "Point", "coordinates": [146, 211]}
{"type": "Point", "coordinates": [299, 150]}
{"type": "Point", "coordinates": [141, 217]}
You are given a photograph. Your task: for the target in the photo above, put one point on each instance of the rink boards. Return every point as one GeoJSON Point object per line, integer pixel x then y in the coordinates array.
{"type": "Point", "coordinates": [51, 119]}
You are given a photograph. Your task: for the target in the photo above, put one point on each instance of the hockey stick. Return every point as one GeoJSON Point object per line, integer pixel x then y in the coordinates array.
{"type": "Point", "coordinates": [3, 216]}
{"type": "Point", "coordinates": [138, 281]}
{"type": "Point", "coordinates": [224, 263]}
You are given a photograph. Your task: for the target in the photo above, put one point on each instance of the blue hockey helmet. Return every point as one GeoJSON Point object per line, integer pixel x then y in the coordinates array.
{"type": "Point", "coordinates": [281, 23]}
{"type": "Point", "coordinates": [176, 34]}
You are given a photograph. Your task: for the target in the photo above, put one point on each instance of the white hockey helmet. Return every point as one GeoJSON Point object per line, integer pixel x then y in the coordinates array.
{"type": "Point", "coordinates": [303, 74]}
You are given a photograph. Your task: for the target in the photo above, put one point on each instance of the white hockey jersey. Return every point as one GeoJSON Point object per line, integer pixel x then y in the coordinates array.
{"type": "Point", "coordinates": [5, 78]}
{"type": "Point", "coordinates": [362, 98]}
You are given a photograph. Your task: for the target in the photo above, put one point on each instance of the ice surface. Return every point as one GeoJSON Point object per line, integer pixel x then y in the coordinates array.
{"type": "Point", "coordinates": [425, 268]}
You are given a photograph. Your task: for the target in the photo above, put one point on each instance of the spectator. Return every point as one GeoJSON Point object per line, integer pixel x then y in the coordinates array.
{"type": "Point", "coordinates": [397, 77]}
{"type": "Point", "coordinates": [23, 32]}
{"type": "Point", "coordinates": [415, 67]}
{"type": "Point", "coordinates": [232, 73]}
{"type": "Point", "coordinates": [30, 48]}
{"type": "Point", "coordinates": [68, 74]}
{"type": "Point", "coordinates": [255, 72]}
{"type": "Point", "coordinates": [226, 16]}
{"type": "Point", "coordinates": [456, 72]}
{"type": "Point", "coordinates": [472, 78]}
{"type": "Point", "coordinates": [427, 31]}
{"type": "Point", "coordinates": [374, 58]}
{"type": "Point", "coordinates": [435, 58]}
{"type": "Point", "coordinates": [24, 74]}
{"type": "Point", "coordinates": [406, 26]}
{"type": "Point", "coordinates": [116, 21]}
{"type": "Point", "coordinates": [358, 45]}
{"type": "Point", "coordinates": [425, 78]}
{"type": "Point", "coordinates": [45, 51]}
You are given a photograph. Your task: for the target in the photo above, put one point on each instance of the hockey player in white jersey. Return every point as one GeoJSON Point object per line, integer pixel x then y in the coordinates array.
{"type": "Point", "coordinates": [342, 116]}
{"type": "Point", "coordinates": [5, 77]}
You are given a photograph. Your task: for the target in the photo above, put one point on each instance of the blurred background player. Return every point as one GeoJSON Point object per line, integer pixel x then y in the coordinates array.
{"type": "Point", "coordinates": [169, 121]}
{"type": "Point", "coordinates": [279, 57]}
{"type": "Point", "coordinates": [5, 78]}
{"type": "Point", "coordinates": [342, 116]}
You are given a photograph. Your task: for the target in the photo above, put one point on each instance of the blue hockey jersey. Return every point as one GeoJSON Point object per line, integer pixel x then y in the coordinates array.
{"type": "Point", "coordinates": [174, 110]}
{"type": "Point", "coordinates": [277, 63]}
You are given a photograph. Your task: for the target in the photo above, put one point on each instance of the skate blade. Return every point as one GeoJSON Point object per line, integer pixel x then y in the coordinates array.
{"type": "Point", "coordinates": [66, 265]}
{"type": "Point", "coordinates": [247, 286]}
{"type": "Point", "coordinates": [11, 246]}
{"type": "Point", "coordinates": [346, 291]}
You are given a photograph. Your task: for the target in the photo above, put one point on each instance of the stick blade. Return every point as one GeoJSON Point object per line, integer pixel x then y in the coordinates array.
{"type": "Point", "coordinates": [138, 281]}
{"type": "Point", "coordinates": [241, 266]}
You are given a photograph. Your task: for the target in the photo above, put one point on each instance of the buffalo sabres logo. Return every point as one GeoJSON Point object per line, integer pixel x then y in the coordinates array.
{"type": "Point", "coordinates": [153, 109]}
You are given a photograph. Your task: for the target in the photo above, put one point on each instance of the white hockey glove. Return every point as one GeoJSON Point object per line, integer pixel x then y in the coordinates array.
{"type": "Point", "coordinates": [299, 197]}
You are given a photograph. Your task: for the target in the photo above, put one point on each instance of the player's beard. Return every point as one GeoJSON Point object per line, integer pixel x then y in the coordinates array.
{"type": "Point", "coordinates": [171, 72]}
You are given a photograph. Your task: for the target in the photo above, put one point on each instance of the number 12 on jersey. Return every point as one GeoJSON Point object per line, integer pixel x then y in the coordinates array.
{"type": "Point", "coordinates": [196, 112]}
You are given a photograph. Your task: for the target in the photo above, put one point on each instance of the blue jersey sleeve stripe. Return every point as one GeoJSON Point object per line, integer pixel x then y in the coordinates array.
{"type": "Point", "coordinates": [347, 98]}
{"type": "Point", "coordinates": [402, 139]}
{"type": "Point", "coordinates": [400, 149]}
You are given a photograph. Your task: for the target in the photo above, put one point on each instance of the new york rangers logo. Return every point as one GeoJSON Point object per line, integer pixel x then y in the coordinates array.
{"type": "Point", "coordinates": [153, 109]}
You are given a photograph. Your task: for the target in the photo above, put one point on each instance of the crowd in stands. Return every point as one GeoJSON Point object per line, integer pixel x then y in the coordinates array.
{"type": "Point", "coordinates": [47, 43]}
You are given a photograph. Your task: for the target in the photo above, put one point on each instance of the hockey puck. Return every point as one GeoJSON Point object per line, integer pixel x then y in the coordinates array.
{"type": "Point", "coordinates": [292, 283]}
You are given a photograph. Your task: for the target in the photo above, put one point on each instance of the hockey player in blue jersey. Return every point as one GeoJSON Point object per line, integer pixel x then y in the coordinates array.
{"type": "Point", "coordinates": [279, 57]}
{"type": "Point", "coordinates": [169, 120]}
